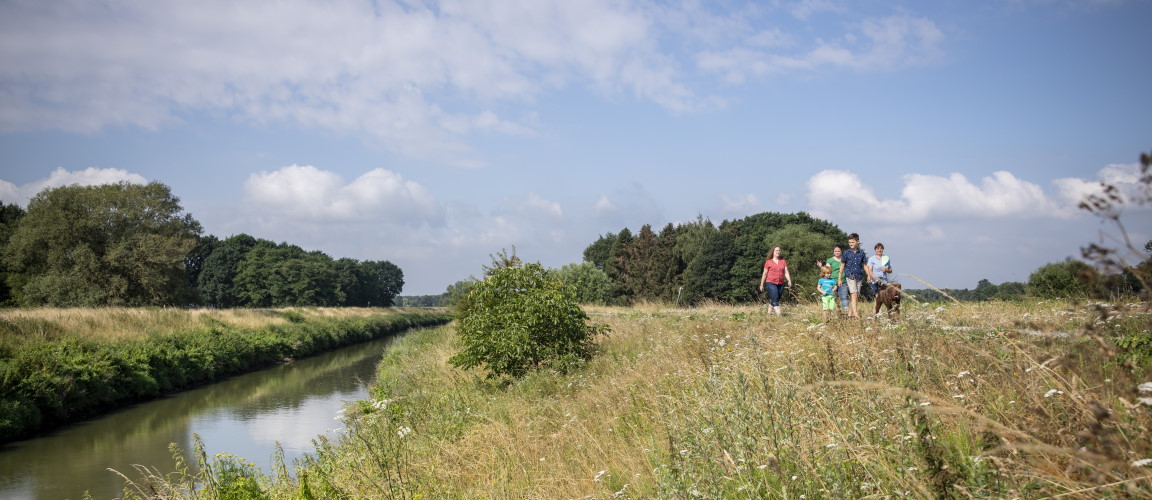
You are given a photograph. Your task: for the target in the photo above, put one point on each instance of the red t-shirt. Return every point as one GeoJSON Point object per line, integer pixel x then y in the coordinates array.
{"type": "Point", "coordinates": [776, 270]}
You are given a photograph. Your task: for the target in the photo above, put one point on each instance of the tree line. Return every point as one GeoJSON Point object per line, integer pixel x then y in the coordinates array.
{"type": "Point", "coordinates": [133, 245]}
{"type": "Point", "coordinates": [695, 261]}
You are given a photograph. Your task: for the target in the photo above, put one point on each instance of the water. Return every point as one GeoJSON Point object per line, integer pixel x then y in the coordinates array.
{"type": "Point", "coordinates": [245, 416]}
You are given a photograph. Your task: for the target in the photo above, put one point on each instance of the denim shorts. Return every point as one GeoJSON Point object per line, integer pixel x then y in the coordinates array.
{"type": "Point", "coordinates": [773, 290]}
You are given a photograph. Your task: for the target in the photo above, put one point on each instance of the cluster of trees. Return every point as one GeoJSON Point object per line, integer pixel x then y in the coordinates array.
{"type": "Point", "coordinates": [133, 245]}
{"type": "Point", "coordinates": [696, 261]}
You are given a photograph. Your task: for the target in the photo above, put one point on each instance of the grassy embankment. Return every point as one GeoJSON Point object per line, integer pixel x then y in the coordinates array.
{"type": "Point", "coordinates": [60, 365]}
{"type": "Point", "coordinates": [992, 400]}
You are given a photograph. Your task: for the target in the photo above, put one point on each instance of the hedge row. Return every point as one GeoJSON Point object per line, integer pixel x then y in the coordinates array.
{"type": "Point", "coordinates": [49, 381]}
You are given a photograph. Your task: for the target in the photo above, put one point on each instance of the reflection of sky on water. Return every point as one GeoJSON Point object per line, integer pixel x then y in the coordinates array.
{"type": "Point", "coordinates": [244, 416]}
{"type": "Point", "coordinates": [254, 435]}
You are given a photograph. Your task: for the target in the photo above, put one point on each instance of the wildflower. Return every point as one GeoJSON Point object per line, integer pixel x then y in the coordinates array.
{"type": "Point", "coordinates": [762, 466]}
{"type": "Point", "coordinates": [1052, 392]}
{"type": "Point", "coordinates": [963, 373]}
{"type": "Point", "coordinates": [1142, 463]}
{"type": "Point", "coordinates": [403, 431]}
{"type": "Point", "coordinates": [830, 445]}
{"type": "Point", "coordinates": [598, 474]}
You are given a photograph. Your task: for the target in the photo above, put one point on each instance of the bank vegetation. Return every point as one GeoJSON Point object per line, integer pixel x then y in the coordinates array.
{"type": "Point", "coordinates": [1021, 399]}
{"type": "Point", "coordinates": [61, 365]}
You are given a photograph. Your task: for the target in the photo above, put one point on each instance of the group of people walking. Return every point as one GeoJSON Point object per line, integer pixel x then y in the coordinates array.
{"type": "Point", "coordinates": [843, 275]}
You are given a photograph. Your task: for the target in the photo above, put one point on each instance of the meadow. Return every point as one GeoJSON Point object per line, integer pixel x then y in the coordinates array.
{"type": "Point", "coordinates": [1026, 399]}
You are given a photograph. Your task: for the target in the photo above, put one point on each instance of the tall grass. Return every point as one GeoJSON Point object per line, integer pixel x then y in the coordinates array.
{"type": "Point", "coordinates": [995, 400]}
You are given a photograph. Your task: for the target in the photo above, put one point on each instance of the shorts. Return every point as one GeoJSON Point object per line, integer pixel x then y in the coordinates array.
{"type": "Point", "coordinates": [853, 285]}
{"type": "Point", "coordinates": [774, 290]}
{"type": "Point", "coordinates": [828, 302]}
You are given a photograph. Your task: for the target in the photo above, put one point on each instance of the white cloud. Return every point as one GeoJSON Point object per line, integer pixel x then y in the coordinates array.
{"type": "Point", "coordinates": [311, 194]}
{"type": "Point", "coordinates": [1124, 177]}
{"type": "Point", "coordinates": [537, 205]}
{"type": "Point", "coordinates": [842, 194]}
{"type": "Point", "coordinates": [91, 176]}
{"type": "Point", "coordinates": [740, 205]}
{"type": "Point", "coordinates": [384, 69]}
{"type": "Point", "coordinates": [603, 206]}
{"type": "Point", "coordinates": [873, 43]}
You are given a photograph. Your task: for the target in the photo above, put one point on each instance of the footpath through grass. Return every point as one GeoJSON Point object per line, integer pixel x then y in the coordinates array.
{"type": "Point", "coordinates": [992, 400]}
{"type": "Point", "coordinates": [61, 365]}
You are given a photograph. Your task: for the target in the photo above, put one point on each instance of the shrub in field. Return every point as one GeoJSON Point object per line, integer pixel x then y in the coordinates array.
{"type": "Point", "coordinates": [518, 319]}
{"type": "Point", "coordinates": [1062, 279]}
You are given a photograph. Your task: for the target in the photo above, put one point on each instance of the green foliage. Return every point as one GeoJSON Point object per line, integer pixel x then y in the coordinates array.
{"type": "Point", "coordinates": [517, 320]}
{"type": "Point", "coordinates": [590, 285]}
{"type": "Point", "coordinates": [10, 216]}
{"type": "Point", "coordinates": [48, 377]}
{"type": "Point", "coordinates": [1071, 278]}
{"type": "Point", "coordinates": [114, 244]}
{"type": "Point", "coordinates": [710, 263]}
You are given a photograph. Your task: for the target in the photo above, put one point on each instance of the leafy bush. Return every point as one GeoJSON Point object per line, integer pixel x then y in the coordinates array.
{"type": "Point", "coordinates": [1071, 278]}
{"type": "Point", "coordinates": [518, 320]}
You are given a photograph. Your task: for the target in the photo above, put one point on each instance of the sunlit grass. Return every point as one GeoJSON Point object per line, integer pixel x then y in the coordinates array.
{"type": "Point", "coordinates": [116, 323]}
{"type": "Point", "coordinates": [995, 400]}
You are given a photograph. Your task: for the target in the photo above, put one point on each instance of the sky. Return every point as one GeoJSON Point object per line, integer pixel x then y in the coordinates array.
{"type": "Point", "coordinates": [962, 134]}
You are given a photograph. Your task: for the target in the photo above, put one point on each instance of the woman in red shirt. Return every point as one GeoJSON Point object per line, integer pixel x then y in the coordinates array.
{"type": "Point", "coordinates": [775, 273]}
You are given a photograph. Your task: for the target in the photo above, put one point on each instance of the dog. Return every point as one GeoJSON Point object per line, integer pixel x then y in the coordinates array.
{"type": "Point", "coordinates": [889, 297]}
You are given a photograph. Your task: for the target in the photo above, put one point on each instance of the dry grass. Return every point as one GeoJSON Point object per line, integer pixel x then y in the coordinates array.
{"type": "Point", "coordinates": [991, 400]}
{"type": "Point", "coordinates": [117, 323]}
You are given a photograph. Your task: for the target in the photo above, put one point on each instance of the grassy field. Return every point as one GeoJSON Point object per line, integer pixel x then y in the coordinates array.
{"type": "Point", "coordinates": [990, 400]}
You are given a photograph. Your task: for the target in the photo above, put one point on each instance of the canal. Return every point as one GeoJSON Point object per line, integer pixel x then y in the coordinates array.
{"type": "Point", "coordinates": [244, 415]}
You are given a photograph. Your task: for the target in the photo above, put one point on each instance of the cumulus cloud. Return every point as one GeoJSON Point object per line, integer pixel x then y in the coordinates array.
{"type": "Point", "coordinates": [315, 195]}
{"type": "Point", "coordinates": [537, 205]}
{"type": "Point", "coordinates": [842, 194]}
{"type": "Point", "coordinates": [92, 176]}
{"type": "Point", "coordinates": [1124, 177]}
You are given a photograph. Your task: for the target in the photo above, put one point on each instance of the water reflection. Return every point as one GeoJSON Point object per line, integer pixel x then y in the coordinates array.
{"type": "Point", "coordinates": [244, 416]}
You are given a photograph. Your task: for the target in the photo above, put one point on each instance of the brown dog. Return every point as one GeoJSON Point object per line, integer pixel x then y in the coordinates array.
{"type": "Point", "coordinates": [889, 297]}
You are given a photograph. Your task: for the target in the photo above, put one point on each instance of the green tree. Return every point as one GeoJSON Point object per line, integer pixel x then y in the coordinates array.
{"type": "Point", "coordinates": [590, 285]}
{"type": "Point", "coordinates": [517, 320]}
{"type": "Point", "coordinates": [1071, 278]}
{"type": "Point", "coordinates": [216, 282]}
{"type": "Point", "coordinates": [381, 282]}
{"type": "Point", "coordinates": [619, 267]}
{"type": "Point", "coordinates": [285, 275]}
{"type": "Point", "coordinates": [114, 244]}
{"type": "Point", "coordinates": [708, 274]}
{"type": "Point", "coordinates": [10, 215]}
{"type": "Point", "coordinates": [598, 252]}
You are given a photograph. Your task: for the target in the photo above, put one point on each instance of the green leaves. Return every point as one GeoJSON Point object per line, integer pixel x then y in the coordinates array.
{"type": "Point", "coordinates": [517, 320]}
{"type": "Point", "coordinates": [113, 244]}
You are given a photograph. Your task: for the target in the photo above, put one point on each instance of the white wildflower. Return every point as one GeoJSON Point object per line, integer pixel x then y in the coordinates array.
{"type": "Point", "coordinates": [1052, 392]}
{"type": "Point", "coordinates": [403, 431]}
{"type": "Point", "coordinates": [963, 373]}
{"type": "Point", "coordinates": [598, 474]}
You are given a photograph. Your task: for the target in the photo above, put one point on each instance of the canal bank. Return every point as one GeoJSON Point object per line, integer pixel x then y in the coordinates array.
{"type": "Point", "coordinates": [55, 369]}
{"type": "Point", "coordinates": [246, 415]}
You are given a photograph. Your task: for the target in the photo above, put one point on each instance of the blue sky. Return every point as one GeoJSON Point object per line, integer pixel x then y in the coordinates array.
{"type": "Point", "coordinates": [961, 134]}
